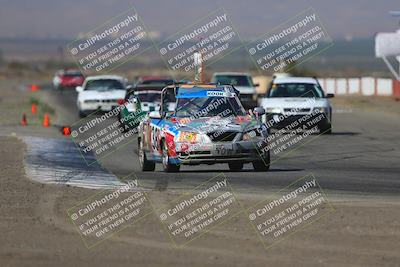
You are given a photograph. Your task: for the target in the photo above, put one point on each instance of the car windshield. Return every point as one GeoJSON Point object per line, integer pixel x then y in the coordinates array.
{"type": "Point", "coordinates": [235, 80]}
{"type": "Point", "coordinates": [72, 74]}
{"type": "Point", "coordinates": [149, 96]}
{"type": "Point", "coordinates": [209, 107]}
{"type": "Point", "coordinates": [104, 85]}
{"type": "Point", "coordinates": [295, 90]}
{"type": "Point", "coordinates": [158, 82]}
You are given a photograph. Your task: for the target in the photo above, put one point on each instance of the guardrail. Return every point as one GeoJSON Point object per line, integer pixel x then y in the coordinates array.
{"type": "Point", "coordinates": [367, 86]}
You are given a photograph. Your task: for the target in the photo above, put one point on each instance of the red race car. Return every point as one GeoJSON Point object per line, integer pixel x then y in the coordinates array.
{"type": "Point", "coordinates": [67, 79]}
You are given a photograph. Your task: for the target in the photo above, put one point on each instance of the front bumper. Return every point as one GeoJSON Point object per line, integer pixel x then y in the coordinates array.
{"type": "Point", "coordinates": [94, 106]}
{"type": "Point", "coordinates": [279, 121]}
{"type": "Point", "coordinates": [223, 152]}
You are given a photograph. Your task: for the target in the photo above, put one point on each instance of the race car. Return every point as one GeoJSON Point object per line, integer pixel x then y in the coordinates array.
{"type": "Point", "coordinates": [208, 125]}
{"type": "Point", "coordinates": [139, 102]}
{"type": "Point", "coordinates": [103, 92]}
{"type": "Point", "coordinates": [67, 78]}
{"type": "Point", "coordinates": [297, 101]}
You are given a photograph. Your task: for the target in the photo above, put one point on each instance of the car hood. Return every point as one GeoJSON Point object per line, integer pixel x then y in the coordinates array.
{"type": "Point", "coordinates": [212, 124]}
{"type": "Point", "coordinates": [150, 106]}
{"type": "Point", "coordinates": [293, 102]}
{"type": "Point", "coordinates": [100, 95]}
{"type": "Point", "coordinates": [246, 89]}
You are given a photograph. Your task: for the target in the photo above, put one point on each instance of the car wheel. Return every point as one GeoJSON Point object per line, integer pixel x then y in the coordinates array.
{"type": "Point", "coordinates": [262, 165]}
{"type": "Point", "coordinates": [326, 130]}
{"type": "Point", "coordinates": [122, 124]}
{"type": "Point", "coordinates": [145, 164]}
{"type": "Point", "coordinates": [235, 166]}
{"type": "Point", "coordinates": [82, 114]}
{"type": "Point", "coordinates": [167, 166]}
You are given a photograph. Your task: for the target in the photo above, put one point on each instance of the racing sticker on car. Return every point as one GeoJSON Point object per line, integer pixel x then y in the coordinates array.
{"type": "Point", "coordinates": [223, 149]}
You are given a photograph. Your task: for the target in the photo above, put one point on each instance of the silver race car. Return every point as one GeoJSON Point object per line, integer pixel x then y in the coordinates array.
{"type": "Point", "coordinates": [209, 125]}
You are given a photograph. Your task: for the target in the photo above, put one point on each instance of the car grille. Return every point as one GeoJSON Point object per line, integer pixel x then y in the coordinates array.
{"type": "Point", "coordinates": [294, 110]}
{"type": "Point", "coordinates": [222, 136]}
{"type": "Point", "coordinates": [102, 101]}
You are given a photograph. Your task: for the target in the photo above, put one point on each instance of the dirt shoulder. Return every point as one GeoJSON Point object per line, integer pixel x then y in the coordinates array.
{"type": "Point", "coordinates": [37, 232]}
{"type": "Point", "coordinates": [375, 104]}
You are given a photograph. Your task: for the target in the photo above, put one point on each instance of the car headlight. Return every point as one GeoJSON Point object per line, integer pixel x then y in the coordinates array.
{"type": "Point", "coordinates": [252, 134]}
{"type": "Point", "coordinates": [91, 101]}
{"type": "Point", "coordinates": [322, 109]}
{"type": "Point", "coordinates": [273, 110]}
{"type": "Point", "coordinates": [187, 137]}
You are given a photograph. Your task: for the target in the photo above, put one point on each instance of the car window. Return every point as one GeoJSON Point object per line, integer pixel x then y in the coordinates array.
{"type": "Point", "coordinates": [104, 85]}
{"type": "Point", "coordinates": [158, 82]}
{"type": "Point", "coordinates": [295, 90]}
{"type": "Point", "coordinates": [148, 97]}
{"type": "Point", "coordinates": [209, 107]}
{"type": "Point", "coordinates": [235, 80]}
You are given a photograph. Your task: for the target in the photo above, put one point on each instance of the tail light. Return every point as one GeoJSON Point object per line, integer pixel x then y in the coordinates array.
{"type": "Point", "coordinates": [121, 101]}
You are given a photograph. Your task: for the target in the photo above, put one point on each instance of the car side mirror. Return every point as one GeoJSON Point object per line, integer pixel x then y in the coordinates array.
{"type": "Point", "coordinates": [330, 95]}
{"type": "Point", "coordinates": [259, 111]}
{"type": "Point", "coordinates": [256, 85]}
{"type": "Point", "coordinates": [155, 115]}
{"type": "Point", "coordinates": [79, 89]}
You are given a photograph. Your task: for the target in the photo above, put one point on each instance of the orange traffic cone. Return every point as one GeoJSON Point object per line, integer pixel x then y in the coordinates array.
{"type": "Point", "coordinates": [66, 131]}
{"type": "Point", "coordinates": [33, 109]}
{"type": "Point", "coordinates": [24, 121]}
{"type": "Point", "coordinates": [46, 120]}
{"type": "Point", "coordinates": [34, 87]}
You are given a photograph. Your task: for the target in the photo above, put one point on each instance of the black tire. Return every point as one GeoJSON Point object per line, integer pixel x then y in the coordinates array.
{"type": "Point", "coordinates": [82, 114]}
{"type": "Point", "coordinates": [122, 124]}
{"type": "Point", "coordinates": [326, 130]}
{"type": "Point", "coordinates": [235, 166]}
{"type": "Point", "coordinates": [168, 167]}
{"type": "Point", "coordinates": [262, 165]}
{"type": "Point", "coordinates": [145, 165]}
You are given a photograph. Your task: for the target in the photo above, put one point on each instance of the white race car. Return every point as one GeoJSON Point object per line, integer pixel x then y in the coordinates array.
{"type": "Point", "coordinates": [293, 102]}
{"type": "Point", "coordinates": [103, 92]}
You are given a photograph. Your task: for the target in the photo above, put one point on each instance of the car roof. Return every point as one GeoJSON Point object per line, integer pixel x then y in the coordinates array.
{"type": "Point", "coordinates": [147, 92]}
{"type": "Point", "coordinates": [106, 77]}
{"type": "Point", "coordinates": [151, 78]}
{"type": "Point", "coordinates": [280, 80]}
{"type": "Point", "coordinates": [187, 91]}
{"type": "Point", "coordinates": [142, 87]}
{"type": "Point", "coordinates": [231, 73]}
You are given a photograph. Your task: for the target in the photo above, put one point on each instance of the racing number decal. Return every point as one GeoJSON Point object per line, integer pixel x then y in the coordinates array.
{"type": "Point", "coordinates": [155, 138]}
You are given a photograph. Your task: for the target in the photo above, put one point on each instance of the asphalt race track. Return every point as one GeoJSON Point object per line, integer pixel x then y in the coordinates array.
{"type": "Point", "coordinates": [360, 157]}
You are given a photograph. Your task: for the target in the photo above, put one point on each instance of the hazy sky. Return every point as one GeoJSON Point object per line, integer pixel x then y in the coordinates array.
{"type": "Point", "coordinates": [66, 19]}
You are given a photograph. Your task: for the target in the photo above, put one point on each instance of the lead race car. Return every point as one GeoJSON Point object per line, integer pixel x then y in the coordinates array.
{"type": "Point", "coordinates": [209, 125]}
